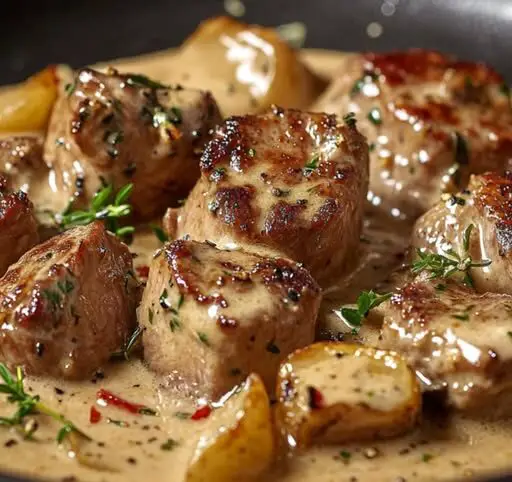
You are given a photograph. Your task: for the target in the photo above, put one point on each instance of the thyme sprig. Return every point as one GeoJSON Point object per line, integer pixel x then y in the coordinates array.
{"type": "Point", "coordinates": [27, 404]}
{"type": "Point", "coordinates": [450, 262]}
{"type": "Point", "coordinates": [366, 301]}
{"type": "Point", "coordinates": [105, 206]}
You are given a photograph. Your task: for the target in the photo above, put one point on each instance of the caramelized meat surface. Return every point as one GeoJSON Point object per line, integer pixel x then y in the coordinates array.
{"type": "Point", "coordinates": [118, 129]}
{"type": "Point", "coordinates": [284, 183]}
{"type": "Point", "coordinates": [18, 226]}
{"type": "Point", "coordinates": [67, 304]}
{"type": "Point", "coordinates": [485, 209]}
{"type": "Point", "coordinates": [211, 316]}
{"type": "Point", "coordinates": [454, 338]}
{"type": "Point", "coordinates": [430, 120]}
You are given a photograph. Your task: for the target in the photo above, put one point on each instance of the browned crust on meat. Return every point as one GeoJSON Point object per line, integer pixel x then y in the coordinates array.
{"type": "Point", "coordinates": [493, 197]}
{"type": "Point", "coordinates": [426, 66]}
{"type": "Point", "coordinates": [278, 274]}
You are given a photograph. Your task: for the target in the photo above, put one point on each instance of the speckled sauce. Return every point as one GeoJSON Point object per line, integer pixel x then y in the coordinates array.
{"type": "Point", "coordinates": [134, 447]}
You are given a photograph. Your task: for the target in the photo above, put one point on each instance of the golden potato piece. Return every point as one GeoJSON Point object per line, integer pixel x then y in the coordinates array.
{"type": "Point", "coordinates": [332, 392]}
{"type": "Point", "coordinates": [246, 67]}
{"type": "Point", "coordinates": [238, 444]}
{"type": "Point", "coordinates": [27, 106]}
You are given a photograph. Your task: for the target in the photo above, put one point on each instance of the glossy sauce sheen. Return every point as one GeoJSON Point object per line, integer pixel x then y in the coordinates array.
{"type": "Point", "coordinates": [135, 447]}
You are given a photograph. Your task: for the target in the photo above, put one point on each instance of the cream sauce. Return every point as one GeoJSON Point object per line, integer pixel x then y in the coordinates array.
{"type": "Point", "coordinates": [444, 447]}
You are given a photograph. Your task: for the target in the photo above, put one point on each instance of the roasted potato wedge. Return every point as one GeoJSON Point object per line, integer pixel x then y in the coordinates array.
{"type": "Point", "coordinates": [27, 106]}
{"type": "Point", "coordinates": [332, 392]}
{"type": "Point", "coordinates": [246, 67]}
{"type": "Point", "coordinates": [238, 443]}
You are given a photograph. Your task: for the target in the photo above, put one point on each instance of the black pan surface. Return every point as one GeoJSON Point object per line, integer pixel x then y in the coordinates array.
{"type": "Point", "coordinates": [39, 32]}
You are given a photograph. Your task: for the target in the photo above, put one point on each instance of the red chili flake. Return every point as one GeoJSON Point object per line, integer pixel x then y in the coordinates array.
{"type": "Point", "coordinates": [95, 415]}
{"type": "Point", "coordinates": [142, 271]}
{"type": "Point", "coordinates": [112, 399]}
{"type": "Point", "coordinates": [202, 412]}
{"type": "Point", "coordinates": [316, 399]}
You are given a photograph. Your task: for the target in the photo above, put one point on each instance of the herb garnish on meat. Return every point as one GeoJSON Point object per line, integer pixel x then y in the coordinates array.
{"type": "Point", "coordinates": [104, 206]}
{"type": "Point", "coordinates": [449, 263]}
{"type": "Point", "coordinates": [366, 301]}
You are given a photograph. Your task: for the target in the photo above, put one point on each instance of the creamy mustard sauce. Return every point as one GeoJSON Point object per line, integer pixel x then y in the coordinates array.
{"type": "Point", "coordinates": [131, 447]}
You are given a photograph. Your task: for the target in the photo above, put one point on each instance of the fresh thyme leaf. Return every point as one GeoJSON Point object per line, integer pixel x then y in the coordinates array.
{"type": "Point", "coordinates": [123, 194]}
{"type": "Point", "coordinates": [311, 165]}
{"type": "Point", "coordinates": [71, 87]}
{"type": "Point", "coordinates": [182, 415]}
{"type": "Point", "coordinates": [169, 444]}
{"type": "Point", "coordinates": [102, 207]}
{"type": "Point", "coordinates": [203, 337]}
{"type": "Point", "coordinates": [366, 301]}
{"type": "Point", "coordinates": [467, 237]}
{"type": "Point", "coordinates": [159, 233]}
{"type": "Point", "coordinates": [139, 80]}
{"type": "Point", "coordinates": [375, 116]}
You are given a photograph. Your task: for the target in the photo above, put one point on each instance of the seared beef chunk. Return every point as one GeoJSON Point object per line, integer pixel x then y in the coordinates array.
{"type": "Point", "coordinates": [285, 183]}
{"type": "Point", "coordinates": [114, 128]}
{"type": "Point", "coordinates": [211, 317]}
{"type": "Point", "coordinates": [430, 120]}
{"type": "Point", "coordinates": [68, 303]}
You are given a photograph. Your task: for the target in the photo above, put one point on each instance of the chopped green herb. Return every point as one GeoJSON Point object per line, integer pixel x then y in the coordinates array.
{"type": "Point", "coordinates": [151, 315]}
{"type": "Point", "coordinates": [366, 301]}
{"type": "Point", "coordinates": [440, 287]}
{"type": "Point", "coordinates": [65, 286]}
{"type": "Point", "coordinates": [53, 297]}
{"type": "Point", "coordinates": [203, 337]}
{"type": "Point", "coordinates": [148, 411]}
{"type": "Point", "coordinates": [174, 324]}
{"type": "Point", "coordinates": [181, 300]}
{"type": "Point", "coordinates": [71, 87]}
{"type": "Point", "coordinates": [427, 457]}
{"type": "Point", "coordinates": [345, 455]}
{"type": "Point", "coordinates": [182, 415]}
{"type": "Point", "coordinates": [251, 152]}
{"type": "Point", "coordinates": [375, 116]}
{"type": "Point", "coordinates": [461, 316]}
{"type": "Point", "coordinates": [311, 165]}
{"type": "Point", "coordinates": [169, 444]}
{"type": "Point", "coordinates": [164, 302]}
{"type": "Point", "coordinates": [119, 423]}
{"type": "Point", "coordinates": [138, 80]}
